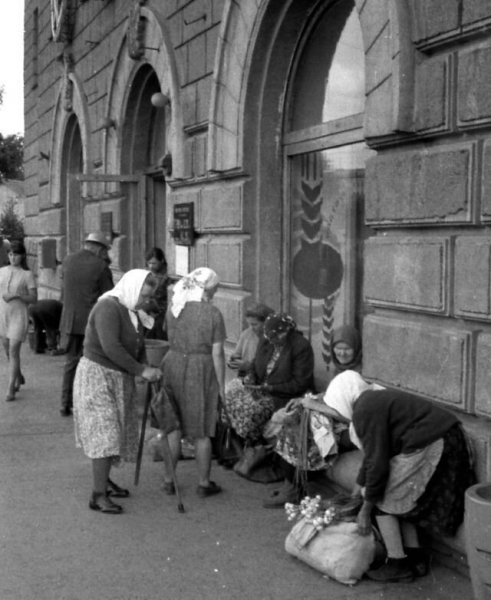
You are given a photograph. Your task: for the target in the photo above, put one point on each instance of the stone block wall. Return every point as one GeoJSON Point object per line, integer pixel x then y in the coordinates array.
{"type": "Point", "coordinates": [427, 283]}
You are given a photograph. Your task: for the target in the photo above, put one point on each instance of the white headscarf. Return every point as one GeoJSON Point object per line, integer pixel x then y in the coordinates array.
{"type": "Point", "coordinates": [127, 291]}
{"type": "Point", "coordinates": [342, 394]}
{"type": "Point", "coordinates": [192, 287]}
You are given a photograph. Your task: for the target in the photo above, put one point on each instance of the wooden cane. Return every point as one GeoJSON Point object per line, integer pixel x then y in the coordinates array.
{"type": "Point", "coordinates": [148, 398]}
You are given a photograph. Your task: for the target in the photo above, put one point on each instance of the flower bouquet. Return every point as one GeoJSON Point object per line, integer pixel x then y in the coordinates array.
{"type": "Point", "coordinates": [325, 537]}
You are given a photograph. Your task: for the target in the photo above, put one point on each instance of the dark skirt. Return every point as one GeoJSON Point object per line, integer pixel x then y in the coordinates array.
{"type": "Point", "coordinates": [440, 509]}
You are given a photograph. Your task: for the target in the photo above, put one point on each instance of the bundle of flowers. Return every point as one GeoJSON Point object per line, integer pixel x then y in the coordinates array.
{"type": "Point", "coordinates": [321, 513]}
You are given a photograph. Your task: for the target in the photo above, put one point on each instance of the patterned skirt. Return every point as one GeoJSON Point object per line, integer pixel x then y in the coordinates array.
{"type": "Point", "coordinates": [440, 508]}
{"type": "Point", "coordinates": [105, 412]}
{"type": "Point", "coordinates": [248, 410]}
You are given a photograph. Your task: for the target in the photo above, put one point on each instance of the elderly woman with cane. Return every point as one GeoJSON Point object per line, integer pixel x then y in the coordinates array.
{"type": "Point", "coordinates": [194, 372]}
{"type": "Point", "coordinates": [105, 413]}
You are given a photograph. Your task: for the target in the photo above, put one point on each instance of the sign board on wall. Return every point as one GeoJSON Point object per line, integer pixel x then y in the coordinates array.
{"type": "Point", "coordinates": [184, 224]}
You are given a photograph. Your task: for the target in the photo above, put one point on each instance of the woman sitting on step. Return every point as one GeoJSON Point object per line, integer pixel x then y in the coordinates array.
{"type": "Point", "coordinates": [282, 369]}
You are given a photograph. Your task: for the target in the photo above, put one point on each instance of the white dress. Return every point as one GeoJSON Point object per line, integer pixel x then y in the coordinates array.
{"type": "Point", "coordinates": [14, 318]}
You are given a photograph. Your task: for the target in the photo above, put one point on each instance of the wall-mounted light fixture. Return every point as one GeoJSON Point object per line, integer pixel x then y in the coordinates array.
{"type": "Point", "coordinates": [166, 164]}
{"type": "Point", "coordinates": [107, 123]}
{"type": "Point", "coordinates": [159, 100]}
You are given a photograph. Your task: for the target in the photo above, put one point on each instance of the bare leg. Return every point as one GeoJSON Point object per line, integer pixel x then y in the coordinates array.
{"type": "Point", "coordinates": [5, 344]}
{"type": "Point", "coordinates": [14, 366]}
{"type": "Point", "coordinates": [100, 473]}
{"type": "Point", "coordinates": [174, 439]}
{"type": "Point", "coordinates": [391, 534]}
{"type": "Point", "coordinates": [409, 534]}
{"type": "Point", "coordinates": [203, 459]}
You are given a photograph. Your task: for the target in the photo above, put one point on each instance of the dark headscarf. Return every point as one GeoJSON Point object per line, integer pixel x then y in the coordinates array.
{"type": "Point", "coordinates": [349, 335]}
{"type": "Point", "coordinates": [278, 323]}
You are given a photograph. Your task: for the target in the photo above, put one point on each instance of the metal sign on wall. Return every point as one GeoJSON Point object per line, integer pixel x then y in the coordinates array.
{"type": "Point", "coordinates": [184, 224]}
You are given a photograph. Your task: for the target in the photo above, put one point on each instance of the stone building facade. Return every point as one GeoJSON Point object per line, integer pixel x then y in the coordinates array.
{"type": "Point", "coordinates": [335, 154]}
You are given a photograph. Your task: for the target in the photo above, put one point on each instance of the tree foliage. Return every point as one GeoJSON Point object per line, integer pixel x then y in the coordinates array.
{"type": "Point", "coordinates": [11, 157]}
{"type": "Point", "coordinates": [11, 226]}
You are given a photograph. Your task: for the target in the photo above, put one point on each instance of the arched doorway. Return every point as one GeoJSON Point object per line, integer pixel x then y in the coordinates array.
{"type": "Point", "coordinates": [324, 157]}
{"type": "Point", "coordinates": [71, 165]}
{"type": "Point", "coordinates": [144, 145]}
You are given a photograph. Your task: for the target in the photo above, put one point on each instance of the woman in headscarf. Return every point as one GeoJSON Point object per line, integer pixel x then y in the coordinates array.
{"type": "Point", "coordinates": [105, 413]}
{"type": "Point", "coordinates": [329, 417]}
{"type": "Point", "coordinates": [282, 369]}
{"type": "Point", "coordinates": [346, 351]}
{"type": "Point", "coordinates": [194, 371]}
{"type": "Point", "coordinates": [416, 468]}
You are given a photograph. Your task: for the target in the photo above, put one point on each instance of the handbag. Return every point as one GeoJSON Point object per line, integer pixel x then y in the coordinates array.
{"type": "Point", "coordinates": [226, 445]}
{"type": "Point", "coordinates": [337, 550]}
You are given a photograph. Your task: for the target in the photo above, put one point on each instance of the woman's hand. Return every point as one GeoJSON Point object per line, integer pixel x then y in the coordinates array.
{"type": "Point", "coordinates": [363, 518]}
{"type": "Point", "coordinates": [8, 297]}
{"type": "Point", "coordinates": [151, 374]}
{"type": "Point", "coordinates": [310, 402]}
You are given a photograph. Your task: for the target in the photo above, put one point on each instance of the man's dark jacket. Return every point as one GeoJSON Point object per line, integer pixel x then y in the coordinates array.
{"type": "Point", "coordinates": [85, 277]}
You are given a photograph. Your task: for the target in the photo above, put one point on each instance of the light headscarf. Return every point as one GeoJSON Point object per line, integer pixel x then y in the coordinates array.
{"type": "Point", "coordinates": [342, 394]}
{"type": "Point", "coordinates": [192, 287]}
{"type": "Point", "coordinates": [127, 291]}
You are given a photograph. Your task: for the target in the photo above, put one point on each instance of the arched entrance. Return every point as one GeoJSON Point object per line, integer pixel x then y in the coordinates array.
{"type": "Point", "coordinates": [71, 165]}
{"type": "Point", "coordinates": [143, 148]}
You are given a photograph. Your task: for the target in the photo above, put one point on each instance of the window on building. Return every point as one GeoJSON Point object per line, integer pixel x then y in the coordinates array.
{"type": "Point", "coordinates": [325, 156]}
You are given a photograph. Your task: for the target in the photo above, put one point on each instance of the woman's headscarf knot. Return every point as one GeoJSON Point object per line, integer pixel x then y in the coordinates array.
{"type": "Point", "coordinates": [191, 288]}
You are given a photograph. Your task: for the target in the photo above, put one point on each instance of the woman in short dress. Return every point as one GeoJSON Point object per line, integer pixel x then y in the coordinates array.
{"type": "Point", "coordinates": [104, 408]}
{"type": "Point", "coordinates": [17, 291]}
{"type": "Point", "coordinates": [194, 371]}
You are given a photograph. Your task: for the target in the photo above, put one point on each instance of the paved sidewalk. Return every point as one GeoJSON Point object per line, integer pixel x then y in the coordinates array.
{"type": "Point", "coordinates": [52, 547]}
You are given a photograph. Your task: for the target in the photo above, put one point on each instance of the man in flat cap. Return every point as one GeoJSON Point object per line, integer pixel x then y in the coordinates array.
{"type": "Point", "coordinates": [86, 276]}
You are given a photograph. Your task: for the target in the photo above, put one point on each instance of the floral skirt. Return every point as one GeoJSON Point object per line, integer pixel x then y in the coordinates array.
{"type": "Point", "coordinates": [105, 413]}
{"type": "Point", "coordinates": [248, 410]}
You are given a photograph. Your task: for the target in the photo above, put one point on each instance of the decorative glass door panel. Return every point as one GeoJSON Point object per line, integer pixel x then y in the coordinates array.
{"type": "Point", "coordinates": [326, 216]}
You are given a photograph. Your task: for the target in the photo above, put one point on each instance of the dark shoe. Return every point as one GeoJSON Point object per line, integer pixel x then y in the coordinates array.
{"type": "Point", "coordinates": [418, 560]}
{"type": "Point", "coordinates": [279, 497]}
{"type": "Point", "coordinates": [208, 490]}
{"type": "Point", "coordinates": [394, 569]}
{"type": "Point", "coordinates": [19, 381]}
{"type": "Point", "coordinates": [168, 488]}
{"type": "Point", "coordinates": [104, 504]}
{"type": "Point", "coordinates": [115, 491]}
{"type": "Point", "coordinates": [65, 411]}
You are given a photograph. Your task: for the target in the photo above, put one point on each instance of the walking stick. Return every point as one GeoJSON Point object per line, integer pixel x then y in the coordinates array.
{"type": "Point", "coordinates": [148, 398]}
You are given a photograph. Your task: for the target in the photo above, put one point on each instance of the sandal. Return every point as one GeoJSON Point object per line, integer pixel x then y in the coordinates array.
{"type": "Point", "coordinates": [116, 491]}
{"type": "Point", "coordinates": [104, 504]}
{"type": "Point", "coordinates": [208, 490]}
{"type": "Point", "coordinates": [168, 488]}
